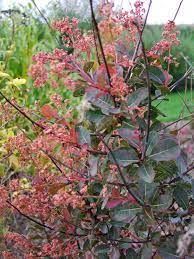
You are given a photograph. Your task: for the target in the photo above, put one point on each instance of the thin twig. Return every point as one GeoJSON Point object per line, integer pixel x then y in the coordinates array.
{"type": "Point", "coordinates": [177, 83]}
{"type": "Point", "coordinates": [183, 126]}
{"type": "Point", "coordinates": [183, 174]}
{"type": "Point", "coordinates": [130, 241]}
{"type": "Point", "coordinates": [5, 157]}
{"type": "Point", "coordinates": [54, 159]}
{"type": "Point", "coordinates": [179, 7]}
{"type": "Point", "coordinates": [173, 86]}
{"type": "Point", "coordinates": [137, 199]}
{"type": "Point", "coordinates": [21, 112]}
{"type": "Point", "coordinates": [184, 102]}
{"type": "Point", "coordinates": [138, 43]}
{"type": "Point", "coordinates": [29, 218]}
{"type": "Point", "coordinates": [149, 94]}
{"type": "Point", "coordinates": [41, 224]}
{"type": "Point", "coordinates": [100, 42]}
{"type": "Point", "coordinates": [46, 20]}
{"type": "Point", "coordinates": [174, 122]}
{"type": "Point", "coordinates": [96, 46]}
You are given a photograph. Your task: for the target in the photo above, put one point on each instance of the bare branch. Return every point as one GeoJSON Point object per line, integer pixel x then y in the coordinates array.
{"type": "Point", "coordinates": [183, 174]}
{"type": "Point", "coordinates": [21, 112]}
{"type": "Point", "coordinates": [149, 92]}
{"type": "Point", "coordinates": [137, 199]}
{"type": "Point", "coordinates": [174, 122]}
{"type": "Point", "coordinates": [175, 16]}
{"type": "Point", "coordinates": [41, 224]}
{"type": "Point", "coordinates": [46, 20]}
{"type": "Point", "coordinates": [173, 86]}
{"type": "Point", "coordinates": [100, 41]}
{"type": "Point", "coordinates": [29, 218]}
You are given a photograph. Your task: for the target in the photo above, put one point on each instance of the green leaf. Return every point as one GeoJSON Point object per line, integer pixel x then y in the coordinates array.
{"type": "Point", "coordinates": [182, 163]}
{"type": "Point", "coordinates": [123, 156]}
{"type": "Point", "coordinates": [159, 76]}
{"type": "Point", "coordinates": [100, 120]}
{"type": "Point", "coordinates": [168, 249]}
{"type": "Point", "coordinates": [146, 173]}
{"type": "Point", "coordinates": [141, 123]}
{"type": "Point", "coordinates": [120, 213]}
{"type": "Point", "coordinates": [146, 252]}
{"type": "Point", "coordinates": [149, 215]}
{"type": "Point", "coordinates": [95, 116]}
{"type": "Point", "coordinates": [102, 100]}
{"type": "Point", "coordinates": [83, 136]}
{"type": "Point", "coordinates": [128, 135]}
{"type": "Point", "coordinates": [123, 245]}
{"type": "Point", "coordinates": [102, 249]}
{"type": "Point", "coordinates": [103, 227]}
{"type": "Point", "coordinates": [181, 197]}
{"type": "Point", "coordinates": [114, 232]}
{"type": "Point", "coordinates": [88, 66]}
{"type": "Point", "coordinates": [166, 149]}
{"type": "Point", "coordinates": [127, 123]}
{"type": "Point", "coordinates": [165, 169]}
{"type": "Point", "coordinates": [165, 201]}
{"type": "Point", "coordinates": [79, 91]}
{"type": "Point", "coordinates": [156, 75]}
{"type": "Point", "coordinates": [148, 190]}
{"type": "Point", "coordinates": [131, 254]}
{"type": "Point", "coordinates": [137, 97]}
{"type": "Point", "coordinates": [152, 141]}
{"type": "Point", "coordinates": [95, 188]}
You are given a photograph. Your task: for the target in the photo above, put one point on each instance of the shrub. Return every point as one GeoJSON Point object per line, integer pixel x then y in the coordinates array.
{"type": "Point", "coordinates": [113, 183]}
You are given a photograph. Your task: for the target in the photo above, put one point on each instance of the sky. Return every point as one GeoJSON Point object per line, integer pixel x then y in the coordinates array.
{"type": "Point", "coordinates": [161, 11]}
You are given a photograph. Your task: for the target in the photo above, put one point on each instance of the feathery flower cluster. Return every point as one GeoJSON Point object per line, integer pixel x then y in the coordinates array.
{"type": "Point", "coordinates": [86, 180]}
{"type": "Point", "coordinates": [68, 29]}
{"type": "Point", "coordinates": [119, 87]}
{"type": "Point", "coordinates": [3, 199]}
{"type": "Point", "coordinates": [169, 39]}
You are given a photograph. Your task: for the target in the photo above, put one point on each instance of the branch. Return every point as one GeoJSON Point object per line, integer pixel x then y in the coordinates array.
{"type": "Point", "coordinates": [173, 86]}
{"type": "Point", "coordinates": [41, 224]}
{"type": "Point", "coordinates": [149, 93]}
{"type": "Point", "coordinates": [130, 241]}
{"type": "Point", "coordinates": [21, 112]}
{"type": "Point", "coordinates": [95, 42]}
{"type": "Point", "coordinates": [30, 218]}
{"type": "Point", "coordinates": [183, 174]}
{"type": "Point", "coordinates": [100, 41]}
{"type": "Point", "coordinates": [185, 104]}
{"type": "Point", "coordinates": [177, 83]}
{"type": "Point", "coordinates": [45, 19]}
{"type": "Point", "coordinates": [183, 126]}
{"type": "Point", "coordinates": [175, 16]}
{"type": "Point", "coordinates": [6, 156]}
{"type": "Point", "coordinates": [137, 199]}
{"type": "Point", "coordinates": [53, 159]}
{"type": "Point", "coordinates": [174, 122]}
{"type": "Point", "coordinates": [138, 44]}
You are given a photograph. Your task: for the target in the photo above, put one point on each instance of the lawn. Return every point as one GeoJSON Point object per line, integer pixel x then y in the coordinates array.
{"type": "Point", "coordinates": [175, 105]}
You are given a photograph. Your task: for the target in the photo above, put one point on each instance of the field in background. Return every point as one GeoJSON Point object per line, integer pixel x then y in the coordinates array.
{"type": "Point", "coordinates": [175, 107]}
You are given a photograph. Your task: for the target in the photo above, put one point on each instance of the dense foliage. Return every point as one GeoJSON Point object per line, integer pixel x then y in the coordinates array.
{"type": "Point", "coordinates": [112, 182]}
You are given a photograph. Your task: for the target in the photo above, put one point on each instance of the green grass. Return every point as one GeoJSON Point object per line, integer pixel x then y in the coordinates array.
{"type": "Point", "coordinates": [175, 107]}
